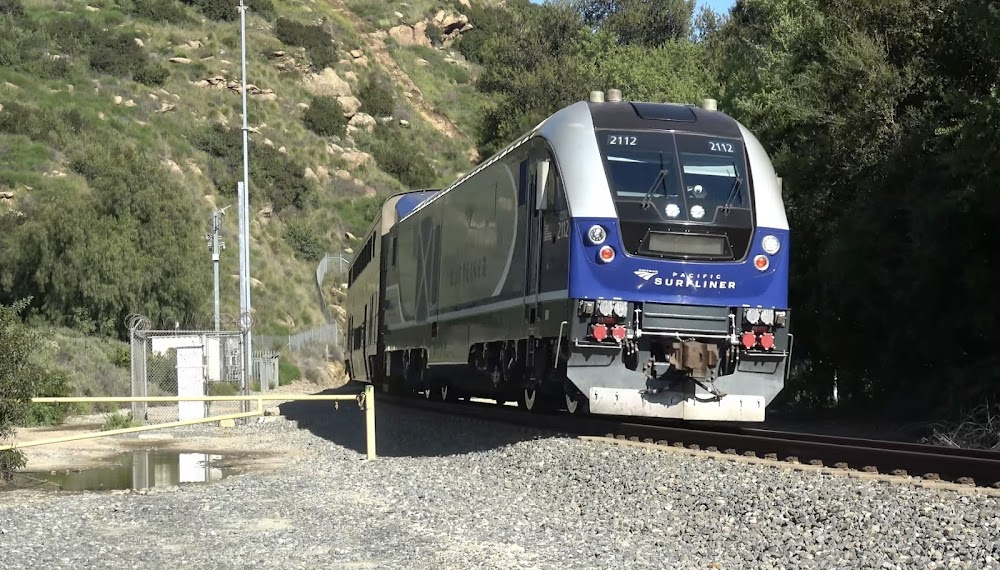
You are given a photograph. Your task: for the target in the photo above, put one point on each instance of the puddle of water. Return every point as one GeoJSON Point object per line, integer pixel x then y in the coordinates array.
{"type": "Point", "coordinates": [141, 470]}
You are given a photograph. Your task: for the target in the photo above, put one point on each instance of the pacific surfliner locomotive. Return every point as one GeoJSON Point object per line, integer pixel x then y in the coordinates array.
{"type": "Point", "coordinates": [622, 258]}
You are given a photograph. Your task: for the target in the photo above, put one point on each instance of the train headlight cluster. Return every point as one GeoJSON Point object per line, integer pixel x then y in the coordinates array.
{"type": "Point", "coordinates": [597, 235]}
{"type": "Point", "coordinates": [770, 244]}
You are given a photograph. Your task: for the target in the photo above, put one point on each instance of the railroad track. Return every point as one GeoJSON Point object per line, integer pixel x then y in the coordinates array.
{"type": "Point", "coordinates": [969, 467]}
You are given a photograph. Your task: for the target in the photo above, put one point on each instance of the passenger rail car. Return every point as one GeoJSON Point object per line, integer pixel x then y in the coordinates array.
{"type": "Point", "coordinates": [621, 258]}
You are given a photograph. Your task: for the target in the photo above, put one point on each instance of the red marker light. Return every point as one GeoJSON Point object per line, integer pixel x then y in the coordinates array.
{"type": "Point", "coordinates": [599, 332]}
{"type": "Point", "coordinates": [761, 262]}
{"type": "Point", "coordinates": [767, 341]}
{"type": "Point", "coordinates": [607, 254]}
{"type": "Point", "coordinates": [748, 340]}
{"type": "Point", "coordinates": [618, 333]}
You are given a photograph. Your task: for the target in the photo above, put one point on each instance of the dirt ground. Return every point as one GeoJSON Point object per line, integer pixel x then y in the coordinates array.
{"type": "Point", "coordinates": [88, 453]}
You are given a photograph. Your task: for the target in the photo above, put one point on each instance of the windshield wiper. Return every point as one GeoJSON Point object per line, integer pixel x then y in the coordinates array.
{"type": "Point", "coordinates": [647, 199]}
{"type": "Point", "coordinates": [732, 194]}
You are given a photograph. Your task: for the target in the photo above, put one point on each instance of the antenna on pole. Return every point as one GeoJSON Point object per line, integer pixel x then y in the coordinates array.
{"type": "Point", "coordinates": [216, 245]}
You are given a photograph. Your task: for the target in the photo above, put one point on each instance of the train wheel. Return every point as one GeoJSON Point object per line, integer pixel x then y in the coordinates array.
{"type": "Point", "coordinates": [447, 395]}
{"type": "Point", "coordinates": [535, 400]}
{"type": "Point", "coordinates": [576, 403]}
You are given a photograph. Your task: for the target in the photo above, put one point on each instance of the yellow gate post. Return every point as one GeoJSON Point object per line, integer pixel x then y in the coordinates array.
{"type": "Point", "coordinates": [370, 419]}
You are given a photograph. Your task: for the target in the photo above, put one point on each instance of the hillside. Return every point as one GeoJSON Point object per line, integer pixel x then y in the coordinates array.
{"type": "Point", "coordinates": [119, 135]}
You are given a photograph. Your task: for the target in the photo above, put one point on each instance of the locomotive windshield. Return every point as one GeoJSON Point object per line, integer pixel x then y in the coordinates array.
{"type": "Point", "coordinates": [679, 195]}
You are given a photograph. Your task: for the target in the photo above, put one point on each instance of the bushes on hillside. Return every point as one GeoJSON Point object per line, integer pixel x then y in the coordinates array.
{"type": "Point", "coordinates": [169, 11]}
{"type": "Point", "coordinates": [397, 153]}
{"type": "Point", "coordinates": [278, 177]}
{"type": "Point", "coordinates": [227, 10]}
{"type": "Point", "coordinates": [303, 240]}
{"type": "Point", "coordinates": [376, 97]}
{"type": "Point", "coordinates": [325, 117]}
{"type": "Point", "coordinates": [318, 43]}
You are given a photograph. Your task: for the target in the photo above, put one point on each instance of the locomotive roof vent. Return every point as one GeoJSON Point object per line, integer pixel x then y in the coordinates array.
{"type": "Point", "coordinates": [597, 96]}
{"type": "Point", "coordinates": [614, 96]}
{"type": "Point", "coordinates": [709, 104]}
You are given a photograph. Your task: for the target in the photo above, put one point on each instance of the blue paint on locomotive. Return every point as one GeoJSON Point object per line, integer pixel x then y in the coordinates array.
{"type": "Point", "coordinates": [630, 278]}
{"type": "Point", "coordinates": [409, 202]}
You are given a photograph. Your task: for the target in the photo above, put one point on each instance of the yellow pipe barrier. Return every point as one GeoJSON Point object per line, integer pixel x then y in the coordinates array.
{"type": "Point", "coordinates": [368, 402]}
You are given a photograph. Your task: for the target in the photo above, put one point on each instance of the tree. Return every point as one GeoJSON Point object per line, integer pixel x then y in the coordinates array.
{"type": "Point", "coordinates": [16, 344]}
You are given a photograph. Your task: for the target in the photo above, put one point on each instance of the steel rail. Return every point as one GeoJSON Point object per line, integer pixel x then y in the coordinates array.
{"type": "Point", "coordinates": [965, 466]}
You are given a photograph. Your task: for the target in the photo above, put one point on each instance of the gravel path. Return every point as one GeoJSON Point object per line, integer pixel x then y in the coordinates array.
{"type": "Point", "coordinates": [497, 498]}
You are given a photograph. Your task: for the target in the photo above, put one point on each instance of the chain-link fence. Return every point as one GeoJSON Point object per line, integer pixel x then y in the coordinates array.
{"type": "Point", "coordinates": [186, 363]}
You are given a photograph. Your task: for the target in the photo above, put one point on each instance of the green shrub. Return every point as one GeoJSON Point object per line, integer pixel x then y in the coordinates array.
{"type": "Point", "coordinates": [17, 342]}
{"type": "Point", "coordinates": [317, 42]}
{"type": "Point", "coordinates": [281, 179]}
{"type": "Point", "coordinates": [221, 10]}
{"type": "Point", "coordinates": [116, 55]}
{"type": "Point", "coordinates": [50, 385]}
{"type": "Point", "coordinates": [287, 372]}
{"type": "Point", "coordinates": [376, 97]}
{"type": "Point", "coordinates": [152, 74]}
{"type": "Point", "coordinates": [303, 239]}
{"type": "Point", "coordinates": [325, 117]}
{"type": "Point", "coordinates": [169, 11]}
{"type": "Point", "coordinates": [118, 420]}
{"type": "Point", "coordinates": [397, 153]}
{"type": "Point", "coordinates": [12, 8]}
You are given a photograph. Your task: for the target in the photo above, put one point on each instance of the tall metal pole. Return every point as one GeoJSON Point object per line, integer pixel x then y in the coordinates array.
{"type": "Point", "coordinates": [245, 306]}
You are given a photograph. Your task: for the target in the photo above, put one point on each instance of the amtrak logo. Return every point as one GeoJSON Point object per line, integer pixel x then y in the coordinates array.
{"type": "Point", "coordinates": [646, 274]}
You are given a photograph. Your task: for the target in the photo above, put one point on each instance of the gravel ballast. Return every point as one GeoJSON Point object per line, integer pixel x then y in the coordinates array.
{"type": "Point", "coordinates": [457, 493]}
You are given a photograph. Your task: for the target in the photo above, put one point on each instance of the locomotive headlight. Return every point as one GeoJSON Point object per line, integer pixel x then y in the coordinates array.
{"type": "Point", "coordinates": [605, 307]}
{"type": "Point", "coordinates": [767, 317]}
{"type": "Point", "coordinates": [621, 307]}
{"type": "Point", "coordinates": [673, 210]}
{"type": "Point", "coordinates": [753, 316]}
{"type": "Point", "coordinates": [597, 235]}
{"type": "Point", "coordinates": [697, 212]}
{"type": "Point", "coordinates": [770, 244]}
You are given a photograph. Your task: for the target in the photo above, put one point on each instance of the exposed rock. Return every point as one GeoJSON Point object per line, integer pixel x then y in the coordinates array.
{"type": "Point", "coordinates": [302, 106]}
{"type": "Point", "coordinates": [118, 99]}
{"type": "Point", "coordinates": [6, 195]}
{"type": "Point", "coordinates": [310, 174]}
{"type": "Point", "coordinates": [195, 44]}
{"type": "Point", "coordinates": [220, 82]}
{"type": "Point", "coordinates": [172, 166]}
{"type": "Point", "coordinates": [398, 14]}
{"type": "Point", "coordinates": [334, 149]}
{"type": "Point", "coordinates": [341, 173]}
{"type": "Point", "coordinates": [327, 82]}
{"type": "Point", "coordinates": [265, 212]}
{"type": "Point", "coordinates": [422, 62]}
{"type": "Point", "coordinates": [130, 103]}
{"type": "Point", "coordinates": [282, 150]}
{"type": "Point", "coordinates": [322, 172]}
{"type": "Point", "coordinates": [465, 3]}
{"type": "Point", "coordinates": [361, 61]}
{"type": "Point", "coordinates": [278, 53]}
{"type": "Point", "coordinates": [139, 42]}
{"type": "Point", "coordinates": [356, 53]}
{"type": "Point", "coordinates": [269, 142]}
{"type": "Point", "coordinates": [166, 107]}
{"type": "Point", "coordinates": [350, 76]}
{"type": "Point", "coordinates": [363, 121]}
{"type": "Point", "coordinates": [406, 35]}
{"type": "Point", "coordinates": [1, 108]}
{"type": "Point", "coordinates": [404, 123]}
{"type": "Point", "coordinates": [193, 166]}
{"type": "Point", "coordinates": [350, 236]}
{"type": "Point", "coordinates": [179, 60]}
{"type": "Point", "coordinates": [355, 158]}
{"type": "Point", "coordinates": [350, 105]}
{"type": "Point", "coordinates": [449, 23]}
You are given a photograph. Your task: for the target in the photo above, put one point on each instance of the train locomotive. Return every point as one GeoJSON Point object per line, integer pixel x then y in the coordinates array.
{"type": "Point", "coordinates": [622, 258]}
